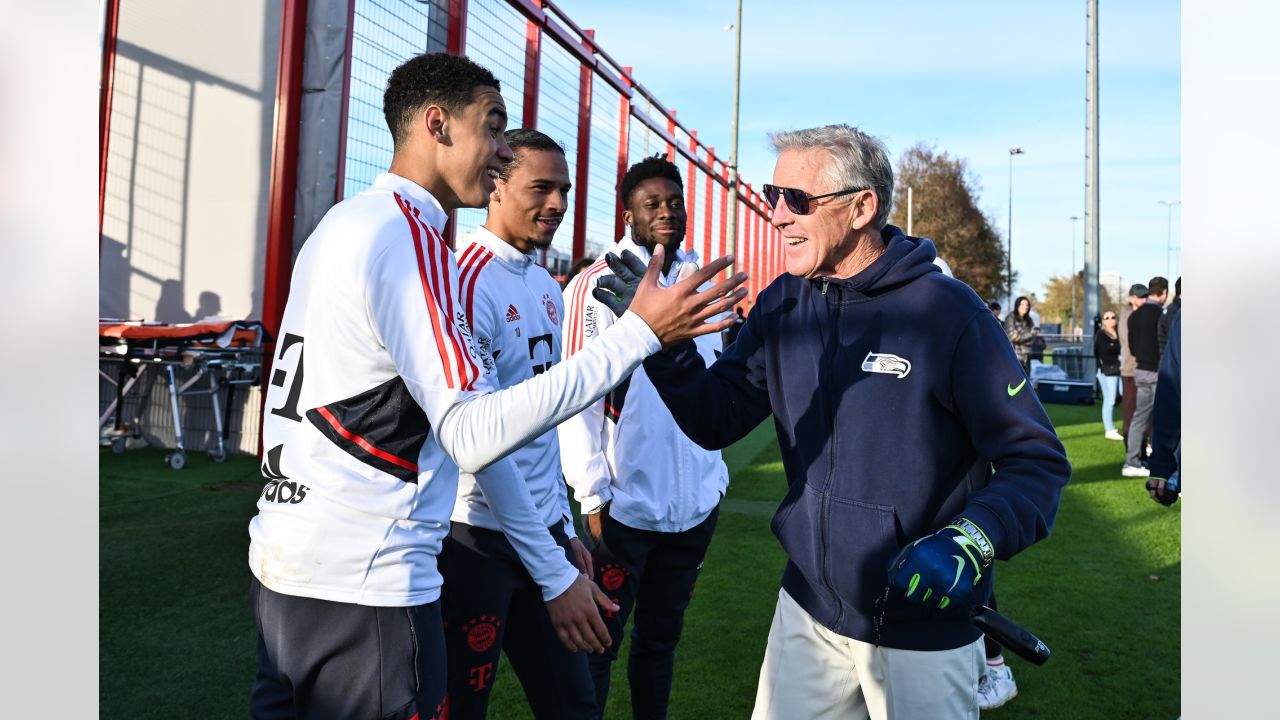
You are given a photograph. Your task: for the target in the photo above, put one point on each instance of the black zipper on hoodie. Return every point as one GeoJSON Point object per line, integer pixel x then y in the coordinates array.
{"type": "Point", "coordinates": [833, 310]}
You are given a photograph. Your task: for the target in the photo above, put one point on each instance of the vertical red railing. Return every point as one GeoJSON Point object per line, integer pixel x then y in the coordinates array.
{"type": "Point", "coordinates": [724, 209]}
{"type": "Point", "coordinates": [586, 74]}
{"type": "Point", "coordinates": [284, 164]}
{"type": "Point", "coordinates": [624, 143]}
{"type": "Point", "coordinates": [691, 197]}
{"type": "Point", "coordinates": [109, 32]}
{"type": "Point", "coordinates": [532, 68]}
{"type": "Point", "coordinates": [706, 223]}
{"type": "Point", "coordinates": [671, 133]}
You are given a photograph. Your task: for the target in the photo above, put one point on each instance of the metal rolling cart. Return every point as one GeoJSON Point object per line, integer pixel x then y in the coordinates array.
{"type": "Point", "coordinates": [224, 354]}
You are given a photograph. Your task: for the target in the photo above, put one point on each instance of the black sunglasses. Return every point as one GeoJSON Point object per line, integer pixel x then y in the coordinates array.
{"type": "Point", "coordinates": [799, 201]}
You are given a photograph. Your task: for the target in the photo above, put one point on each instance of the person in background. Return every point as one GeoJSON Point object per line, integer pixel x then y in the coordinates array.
{"type": "Point", "coordinates": [995, 309]}
{"type": "Point", "coordinates": [1170, 312]}
{"type": "Point", "coordinates": [1143, 343]}
{"type": "Point", "coordinates": [1128, 391]}
{"type": "Point", "coordinates": [1106, 348]}
{"type": "Point", "coordinates": [578, 266]}
{"type": "Point", "coordinates": [732, 333]}
{"type": "Point", "coordinates": [649, 495]}
{"type": "Point", "coordinates": [1021, 330]}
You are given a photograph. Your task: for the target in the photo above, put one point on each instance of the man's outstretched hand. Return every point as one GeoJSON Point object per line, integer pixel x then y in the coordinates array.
{"type": "Point", "coordinates": [674, 313]}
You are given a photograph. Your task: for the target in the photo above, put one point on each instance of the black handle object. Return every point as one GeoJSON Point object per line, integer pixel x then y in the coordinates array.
{"type": "Point", "coordinates": [1010, 634]}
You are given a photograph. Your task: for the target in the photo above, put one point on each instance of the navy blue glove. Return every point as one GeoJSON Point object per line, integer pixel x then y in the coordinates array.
{"type": "Point", "coordinates": [616, 290]}
{"type": "Point", "coordinates": [941, 570]}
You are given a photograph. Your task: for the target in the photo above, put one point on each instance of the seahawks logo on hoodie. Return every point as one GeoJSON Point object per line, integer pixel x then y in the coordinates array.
{"type": "Point", "coordinates": [888, 364]}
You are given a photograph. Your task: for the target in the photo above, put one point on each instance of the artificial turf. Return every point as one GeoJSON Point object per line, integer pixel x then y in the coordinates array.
{"type": "Point", "coordinates": [176, 638]}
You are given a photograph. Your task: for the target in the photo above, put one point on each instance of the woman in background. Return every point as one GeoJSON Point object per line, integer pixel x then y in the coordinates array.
{"type": "Point", "coordinates": [1021, 330]}
{"type": "Point", "coordinates": [1106, 348]}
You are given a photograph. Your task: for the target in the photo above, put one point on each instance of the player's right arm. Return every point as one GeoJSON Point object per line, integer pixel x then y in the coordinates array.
{"type": "Point", "coordinates": [439, 367]}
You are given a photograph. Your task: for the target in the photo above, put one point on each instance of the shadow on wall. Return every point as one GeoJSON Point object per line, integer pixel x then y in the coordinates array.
{"type": "Point", "coordinates": [171, 307]}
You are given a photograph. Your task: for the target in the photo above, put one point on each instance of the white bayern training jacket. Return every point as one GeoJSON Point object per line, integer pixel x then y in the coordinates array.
{"type": "Point", "coordinates": [626, 449]}
{"type": "Point", "coordinates": [516, 312]}
{"type": "Point", "coordinates": [376, 391]}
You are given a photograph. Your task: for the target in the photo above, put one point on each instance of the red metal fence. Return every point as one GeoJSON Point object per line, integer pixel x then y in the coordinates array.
{"type": "Point", "coordinates": [556, 78]}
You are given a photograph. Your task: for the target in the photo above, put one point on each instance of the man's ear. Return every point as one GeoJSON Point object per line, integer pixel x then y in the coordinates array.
{"type": "Point", "coordinates": [627, 217]}
{"type": "Point", "coordinates": [865, 205]}
{"type": "Point", "coordinates": [496, 195]}
{"type": "Point", "coordinates": [435, 121]}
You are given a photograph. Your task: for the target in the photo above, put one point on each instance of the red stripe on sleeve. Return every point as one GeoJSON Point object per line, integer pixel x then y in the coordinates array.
{"type": "Point", "coordinates": [471, 276]}
{"type": "Point", "coordinates": [365, 444]}
{"type": "Point", "coordinates": [468, 372]}
{"type": "Point", "coordinates": [578, 305]}
{"type": "Point", "coordinates": [433, 307]}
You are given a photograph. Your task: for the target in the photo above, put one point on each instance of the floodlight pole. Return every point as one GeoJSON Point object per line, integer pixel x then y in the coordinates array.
{"type": "Point", "coordinates": [1092, 256]}
{"type": "Point", "coordinates": [1168, 243]}
{"type": "Point", "coordinates": [1074, 321]}
{"type": "Point", "coordinates": [733, 153]}
{"type": "Point", "coordinates": [1009, 257]}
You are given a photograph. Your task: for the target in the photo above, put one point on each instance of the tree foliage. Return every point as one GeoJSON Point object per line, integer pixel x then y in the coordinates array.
{"type": "Point", "coordinates": [945, 210]}
{"type": "Point", "coordinates": [1056, 305]}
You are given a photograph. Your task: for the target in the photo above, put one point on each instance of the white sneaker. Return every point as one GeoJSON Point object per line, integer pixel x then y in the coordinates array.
{"type": "Point", "coordinates": [996, 687]}
{"type": "Point", "coordinates": [1131, 471]}
{"type": "Point", "coordinates": [1113, 435]}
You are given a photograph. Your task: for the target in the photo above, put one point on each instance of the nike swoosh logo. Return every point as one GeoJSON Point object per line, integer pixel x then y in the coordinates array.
{"type": "Point", "coordinates": [1015, 390]}
{"type": "Point", "coordinates": [959, 569]}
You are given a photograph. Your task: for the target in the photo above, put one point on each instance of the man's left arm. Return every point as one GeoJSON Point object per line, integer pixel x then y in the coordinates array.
{"type": "Point", "coordinates": [1009, 427]}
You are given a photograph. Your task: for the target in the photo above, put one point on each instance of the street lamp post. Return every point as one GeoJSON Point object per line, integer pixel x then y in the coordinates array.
{"type": "Point", "coordinates": [1009, 257]}
{"type": "Point", "coordinates": [1074, 322]}
{"type": "Point", "coordinates": [733, 154]}
{"type": "Point", "coordinates": [1168, 242]}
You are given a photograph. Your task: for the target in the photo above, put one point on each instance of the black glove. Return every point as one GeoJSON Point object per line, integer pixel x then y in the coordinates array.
{"type": "Point", "coordinates": [942, 569]}
{"type": "Point", "coordinates": [616, 290]}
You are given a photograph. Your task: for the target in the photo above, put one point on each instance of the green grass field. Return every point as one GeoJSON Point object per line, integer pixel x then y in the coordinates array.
{"type": "Point", "coordinates": [176, 636]}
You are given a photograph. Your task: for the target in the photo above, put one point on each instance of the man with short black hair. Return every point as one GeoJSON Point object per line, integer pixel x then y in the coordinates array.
{"type": "Point", "coordinates": [491, 604]}
{"type": "Point", "coordinates": [649, 495]}
{"type": "Point", "coordinates": [362, 456]}
{"type": "Point", "coordinates": [1144, 344]}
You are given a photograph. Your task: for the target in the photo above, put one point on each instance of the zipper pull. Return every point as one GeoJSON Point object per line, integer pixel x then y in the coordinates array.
{"type": "Point", "coordinates": [825, 283]}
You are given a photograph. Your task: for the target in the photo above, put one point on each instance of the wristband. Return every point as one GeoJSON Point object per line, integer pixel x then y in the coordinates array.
{"type": "Point", "coordinates": [979, 539]}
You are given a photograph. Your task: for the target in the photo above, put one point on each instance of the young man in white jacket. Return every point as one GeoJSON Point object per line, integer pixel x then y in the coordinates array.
{"type": "Point", "coordinates": [491, 604]}
{"type": "Point", "coordinates": [377, 398]}
{"type": "Point", "coordinates": [650, 496]}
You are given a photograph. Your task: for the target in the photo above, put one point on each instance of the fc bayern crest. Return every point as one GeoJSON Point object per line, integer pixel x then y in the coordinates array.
{"type": "Point", "coordinates": [481, 632]}
{"type": "Point", "coordinates": [551, 309]}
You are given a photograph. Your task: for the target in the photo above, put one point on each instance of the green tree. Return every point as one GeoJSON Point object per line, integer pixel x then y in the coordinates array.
{"type": "Point", "coordinates": [1056, 306]}
{"type": "Point", "coordinates": [945, 210]}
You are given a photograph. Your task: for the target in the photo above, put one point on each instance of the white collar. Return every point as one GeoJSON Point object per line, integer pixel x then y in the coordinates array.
{"type": "Point", "coordinates": [501, 249]}
{"type": "Point", "coordinates": [433, 214]}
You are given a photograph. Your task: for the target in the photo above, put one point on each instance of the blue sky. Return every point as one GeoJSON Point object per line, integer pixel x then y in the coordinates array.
{"type": "Point", "coordinates": [972, 79]}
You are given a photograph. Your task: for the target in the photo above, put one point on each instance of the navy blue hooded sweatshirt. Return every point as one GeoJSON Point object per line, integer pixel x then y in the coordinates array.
{"type": "Point", "coordinates": [894, 394]}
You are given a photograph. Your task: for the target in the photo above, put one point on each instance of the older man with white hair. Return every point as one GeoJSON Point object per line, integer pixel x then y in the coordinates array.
{"type": "Point", "coordinates": [914, 453]}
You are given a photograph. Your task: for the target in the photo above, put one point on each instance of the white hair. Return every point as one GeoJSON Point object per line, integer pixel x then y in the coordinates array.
{"type": "Point", "coordinates": [859, 161]}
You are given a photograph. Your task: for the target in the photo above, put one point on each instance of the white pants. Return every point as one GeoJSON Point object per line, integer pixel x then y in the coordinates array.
{"type": "Point", "coordinates": [810, 672]}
